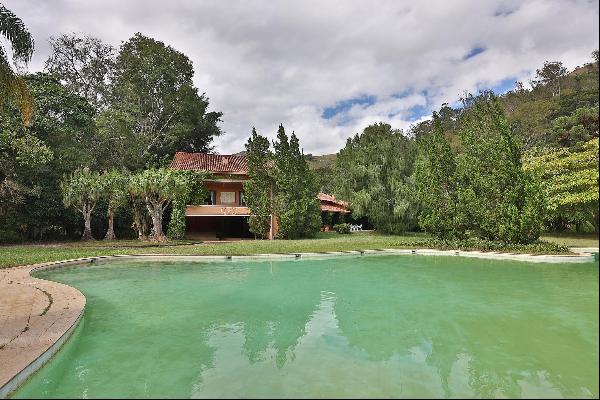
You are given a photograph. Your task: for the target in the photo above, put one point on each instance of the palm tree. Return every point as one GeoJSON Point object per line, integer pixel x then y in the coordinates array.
{"type": "Point", "coordinates": [12, 85]}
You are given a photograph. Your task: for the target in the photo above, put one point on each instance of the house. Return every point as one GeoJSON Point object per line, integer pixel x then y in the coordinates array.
{"type": "Point", "coordinates": [334, 208]}
{"type": "Point", "coordinates": [224, 213]}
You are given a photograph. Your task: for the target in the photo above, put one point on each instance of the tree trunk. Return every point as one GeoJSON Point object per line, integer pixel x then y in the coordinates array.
{"type": "Point", "coordinates": [156, 213]}
{"type": "Point", "coordinates": [110, 233]}
{"type": "Point", "coordinates": [87, 218]}
{"type": "Point", "coordinates": [139, 220]}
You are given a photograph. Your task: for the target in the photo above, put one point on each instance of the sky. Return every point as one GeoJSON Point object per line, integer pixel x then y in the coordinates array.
{"type": "Point", "coordinates": [327, 69]}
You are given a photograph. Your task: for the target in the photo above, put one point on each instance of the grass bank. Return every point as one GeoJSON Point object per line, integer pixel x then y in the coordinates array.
{"type": "Point", "coordinates": [572, 239]}
{"type": "Point", "coordinates": [14, 255]}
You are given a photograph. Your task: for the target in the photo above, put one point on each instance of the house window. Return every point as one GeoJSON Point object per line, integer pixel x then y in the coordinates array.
{"type": "Point", "coordinates": [227, 197]}
{"type": "Point", "coordinates": [242, 199]}
{"type": "Point", "coordinates": [211, 199]}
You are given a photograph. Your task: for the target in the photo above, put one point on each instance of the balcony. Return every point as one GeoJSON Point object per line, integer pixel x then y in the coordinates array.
{"type": "Point", "coordinates": [216, 211]}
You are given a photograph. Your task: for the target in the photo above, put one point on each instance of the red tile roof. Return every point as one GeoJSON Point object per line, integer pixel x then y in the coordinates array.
{"type": "Point", "coordinates": [330, 203]}
{"type": "Point", "coordinates": [332, 208]}
{"type": "Point", "coordinates": [216, 163]}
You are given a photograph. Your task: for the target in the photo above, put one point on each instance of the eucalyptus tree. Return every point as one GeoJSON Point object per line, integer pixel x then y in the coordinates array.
{"type": "Point", "coordinates": [12, 85]}
{"type": "Point", "coordinates": [81, 191]}
{"type": "Point", "coordinates": [84, 64]}
{"type": "Point", "coordinates": [550, 75]}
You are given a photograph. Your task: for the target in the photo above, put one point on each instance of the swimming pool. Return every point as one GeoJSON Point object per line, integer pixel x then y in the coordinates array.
{"type": "Point", "coordinates": [381, 326]}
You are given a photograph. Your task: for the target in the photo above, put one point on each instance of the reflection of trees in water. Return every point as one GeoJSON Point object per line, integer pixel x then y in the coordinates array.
{"type": "Point", "coordinates": [451, 327]}
{"type": "Point", "coordinates": [481, 321]}
{"type": "Point", "coordinates": [271, 312]}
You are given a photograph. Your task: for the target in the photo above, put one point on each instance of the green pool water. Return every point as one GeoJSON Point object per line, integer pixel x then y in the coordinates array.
{"type": "Point", "coordinates": [381, 326]}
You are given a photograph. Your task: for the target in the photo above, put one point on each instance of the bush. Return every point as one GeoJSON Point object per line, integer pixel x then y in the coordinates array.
{"type": "Point", "coordinates": [342, 228]}
{"type": "Point", "coordinates": [176, 228]}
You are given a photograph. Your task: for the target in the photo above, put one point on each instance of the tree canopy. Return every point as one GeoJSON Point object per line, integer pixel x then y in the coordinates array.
{"type": "Point", "coordinates": [374, 173]}
{"type": "Point", "coordinates": [259, 189]}
{"type": "Point", "coordinates": [156, 102]}
{"type": "Point", "coordinates": [297, 207]}
{"type": "Point", "coordinates": [84, 64]}
{"type": "Point", "coordinates": [570, 182]}
{"type": "Point", "coordinates": [12, 85]}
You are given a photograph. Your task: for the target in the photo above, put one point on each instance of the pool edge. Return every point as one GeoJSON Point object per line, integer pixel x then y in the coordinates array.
{"type": "Point", "coordinates": [8, 387]}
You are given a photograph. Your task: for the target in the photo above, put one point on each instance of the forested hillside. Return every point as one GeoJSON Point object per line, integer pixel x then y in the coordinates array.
{"type": "Point", "coordinates": [554, 123]}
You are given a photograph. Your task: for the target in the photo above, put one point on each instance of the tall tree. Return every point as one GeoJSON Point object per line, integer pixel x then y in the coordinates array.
{"type": "Point", "coordinates": [12, 85]}
{"type": "Point", "coordinates": [374, 173]}
{"type": "Point", "coordinates": [82, 190]}
{"type": "Point", "coordinates": [84, 64]}
{"type": "Point", "coordinates": [298, 209]}
{"type": "Point", "coordinates": [550, 75]}
{"type": "Point", "coordinates": [258, 190]}
{"type": "Point", "coordinates": [58, 141]}
{"type": "Point", "coordinates": [155, 99]}
{"type": "Point", "coordinates": [435, 182]}
{"type": "Point", "coordinates": [497, 199]}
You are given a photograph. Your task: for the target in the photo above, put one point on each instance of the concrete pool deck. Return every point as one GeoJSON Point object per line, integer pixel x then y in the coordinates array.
{"type": "Point", "coordinates": [38, 316]}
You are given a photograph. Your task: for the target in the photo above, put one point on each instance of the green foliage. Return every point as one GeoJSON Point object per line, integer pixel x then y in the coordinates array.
{"type": "Point", "coordinates": [580, 126]}
{"type": "Point", "coordinates": [342, 228]}
{"type": "Point", "coordinates": [114, 188]}
{"type": "Point", "coordinates": [114, 191]}
{"type": "Point", "coordinates": [195, 194]}
{"type": "Point", "coordinates": [496, 198]}
{"type": "Point", "coordinates": [56, 142]}
{"type": "Point", "coordinates": [298, 209]}
{"type": "Point", "coordinates": [156, 103]}
{"type": "Point", "coordinates": [258, 190]}
{"type": "Point", "coordinates": [435, 175]}
{"type": "Point", "coordinates": [477, 186]}
{"type": "Point", "coordinates": [374, 173]}
{"type": "Point", "coordinates": [84, 64]}
{"type": "Point", "coordinates": [82, 190]}
{"type": "Point", "coordinates": [477, 244]}
{"type": "Point", "coordinates": [549, 76]}
{"type": "Point", "coordinates": [176, 228]}
{"type": "Point", "coordinates": [570, 180]}
{"type": "Point", "coordinates": [12, 86]}
{"type": "Point", "coordinates": [158, 188]}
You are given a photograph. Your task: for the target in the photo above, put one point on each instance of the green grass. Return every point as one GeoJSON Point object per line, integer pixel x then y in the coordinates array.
{"type": "Point", "coordinates": [14, 255]}
{"type": "Point", "coordinates": [571, 239]}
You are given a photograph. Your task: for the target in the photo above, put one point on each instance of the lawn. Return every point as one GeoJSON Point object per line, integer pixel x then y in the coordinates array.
{"type": "Point", "coordinates": [572, 240]}
{"type": "Point", "coordinates": [13, 255]}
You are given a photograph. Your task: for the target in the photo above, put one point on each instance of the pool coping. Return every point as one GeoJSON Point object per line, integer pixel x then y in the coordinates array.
{"type": "Point", "coordinates": [45, 333]}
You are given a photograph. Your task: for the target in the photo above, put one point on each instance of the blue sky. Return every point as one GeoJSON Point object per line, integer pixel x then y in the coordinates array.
{"type": "Point", "coordinates": [328, 68]}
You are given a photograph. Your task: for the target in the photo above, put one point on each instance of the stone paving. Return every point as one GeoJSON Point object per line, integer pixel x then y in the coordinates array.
{"type": "Point", "coordinates": [34, 314]}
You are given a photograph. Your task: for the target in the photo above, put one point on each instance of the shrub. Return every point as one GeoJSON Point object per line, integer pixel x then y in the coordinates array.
{"type": "Point", "coordinates": [342, 228]}
{"type": "Point", "coordinates": [176, 229]}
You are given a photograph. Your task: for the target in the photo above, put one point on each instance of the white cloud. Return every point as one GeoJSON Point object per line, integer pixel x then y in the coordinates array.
{"type": "Point", "coordinates": [263, 62]}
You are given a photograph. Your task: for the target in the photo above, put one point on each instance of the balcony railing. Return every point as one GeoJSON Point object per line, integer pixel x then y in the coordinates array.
{"type": "Point", "coordinates": [216, 210]}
